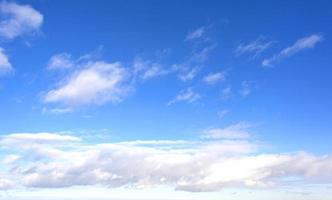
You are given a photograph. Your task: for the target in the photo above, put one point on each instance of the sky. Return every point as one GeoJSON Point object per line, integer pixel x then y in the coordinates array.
{"type": "Point", "coordinates": [165, 100]}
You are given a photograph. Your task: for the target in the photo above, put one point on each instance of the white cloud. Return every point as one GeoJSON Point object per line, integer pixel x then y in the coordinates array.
{"type": "Point", "coordinates": [17, 20]}
{"type": "Point", "coordinates": [197, 33]}
{"type": "Point", "coordinates": [5, 65]}
{"type": "Point", "coordinates": [92, 83]}
{"type": "Point", "coordinates": [187, 95]}
{"type": "Point", "coordinates": [200, 166]}
{"type": "Point", "coordinates": [60, 61]}
{"type": "Point", "coordinates": [235, 131]}
{"type": "Point", "coordinates": [188, 74]}
{"type": "Point", "coordinates": [255, 47]}
{"type": "Point", "coordinates": [147, 69]}
{"type": "Point", "coordinates": [214, 78]}
{"type": "Point", "coordinates": [301, 44]}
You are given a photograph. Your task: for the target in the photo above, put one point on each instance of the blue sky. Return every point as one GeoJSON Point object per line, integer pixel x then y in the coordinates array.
{"type": "Point", "coordinates": [226, 84]}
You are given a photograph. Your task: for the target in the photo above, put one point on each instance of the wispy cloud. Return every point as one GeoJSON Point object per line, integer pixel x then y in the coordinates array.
{"type": "Point", "coordinates": [213, 78]}
{"type": "Point", "coordinates": [255, 47]}
{"type": "Point", "coordinates": [5, 65]}
{"type": "Point", "coordinates": [148, 69]}
{"type": "Point", "coordinates": [246, 88]}
{"type": "Point", "coordinates": [17, 20]}
{"type": "Point", "coordinates": [197, 33]}
{"type": "Point", "coordinates": [301, 44]}
{"type": "Point", "coordinates": [235, 131]}
{"type": "Point", "coordinates": [223, 113]}
{"type": "Point", "coordinates": [227, 93]}
{"type": "Point", "coordinates": [60, 61]}
{"type": "Point", "coordinates": [187, 95]}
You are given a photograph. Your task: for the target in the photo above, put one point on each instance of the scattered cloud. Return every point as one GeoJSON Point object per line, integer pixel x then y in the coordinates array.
{"type": "Point", "coordinates": [197, 33]}
{"type": "Point", "coordinates": [227, 93]}
{"type": "Point", "coordinates": [201, 165]}
{"type": "Point", "coordinates": [187, 95]}
{"type": "Point", "coordinates": [308, 42]}
{"type": "Point", "coordinates": [17, 20]}
{"type": "Point", "coordinates": [214, 78]}
{"type": "Point", "coordinates": [147, 69]}
{"type": "Point", "coordinates": [94, 82]}
{"type": "Point", "coordinates": [222, 113]}
{"type": "Point", "coordinates": [5, 65]}
{"type": "Point", "coordinates": [255, 47]}
{"type": "Point", "coordinates": [60, 61]}
{"type": "Point", "coordinates": [188, 74]}
{"type": "Point", "coordinates": [235, 131]}
{"type": "Point", "coordinates": [245, 88]}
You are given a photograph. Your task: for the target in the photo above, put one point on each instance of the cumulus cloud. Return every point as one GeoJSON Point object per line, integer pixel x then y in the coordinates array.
{"type": "Point", "coordinates": [235, 131]}
{"type": "Point", "coordinates": [214, 78]}
{"type": "Point", "coordinates": [5, 65]}
{"type": "Point", "coordinates": [187, 95]}
{"type": "Point", "coordinates": [255, 47]}
{"type": "Point", "coordinates": [308, 42]}
{"type": "Point", "coordinates": [17, 20]}
{"type": "Point", "coordinates": [200, 165]}
{"type": "Point", "coordinates": [94, 82]}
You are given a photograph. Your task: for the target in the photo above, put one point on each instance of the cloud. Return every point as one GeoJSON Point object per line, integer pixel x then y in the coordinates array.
{"type": "Point", "coordinates": [5, 65]}
{"type": "Point", "coordinates": [17, 20]}
{"type": "Point", "coordinates": [147, 69]}
{"type": "Point", "coordinates": [188, 74]}
{"type": "Point", "coordinates": [255, 47]}
{"type": "Point", "coordinates": [222, 113]}
{"type": "Point", "coordinates": [235, 131]}
{"type": "Point", "coordinates": [187, 95]}
{"type": "Point", "coordinates": [92, 82]}
{"type": "Point", "coordinates": [214, 78]}
{"type": "Point", "coordinates": [60, 61]}
{"type": "Point", "coordinates": [245, 88]}
{"type": "Point", "coordinates": [308, 42]}
{"type": "Point", "coordinates": [200, 165]}
{"type": "Point", "coordinates": [226, 93]}
{"type": "Point", "coordinates": [197, 33]}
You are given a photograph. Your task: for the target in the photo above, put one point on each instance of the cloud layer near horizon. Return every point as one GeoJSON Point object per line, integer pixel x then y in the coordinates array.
{"type": "Point", "coordinates": [54, 160]}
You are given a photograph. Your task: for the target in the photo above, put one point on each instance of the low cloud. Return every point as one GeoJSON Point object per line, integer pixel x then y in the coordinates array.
{"type": "Point", "coordinates": [17, 20]}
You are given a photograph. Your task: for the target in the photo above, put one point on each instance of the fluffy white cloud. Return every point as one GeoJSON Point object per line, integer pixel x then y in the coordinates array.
{"type": "Point", "coordinates": [90, 83]}
{"type": "Point", "coordinates": [200, 166]}
{"type": "Point", "coordinates": [17, 20]}
{"type": "Point", "coordinates": [301, 44]}
{"type": "Point", "coordinates": [214, 78]}
{"type": "Point", "coordinates": [5, 65]}
{"type": "Point", "coordinates": [235, 131]}
{"type": "Point", "coordinates": [187, 95]}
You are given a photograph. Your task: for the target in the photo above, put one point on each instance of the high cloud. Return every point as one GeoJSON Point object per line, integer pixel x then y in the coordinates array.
{"type": "Point", "coordinates": [214, 78]}
{"type": "Point", "coordinates": [17, 20]}
{"type": "Point", "coordinates": [5, 65]}
{"type": "Point", "coordinates": [255, 47]}
{"type": "Point", "coordinates": [184, 165]}
{"type": "Point", "coordinates": [60, 61]}
{"type": "Point", "coordinates": [301, 44]}
{"type": "Point", "coordinates": [187, 95]}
